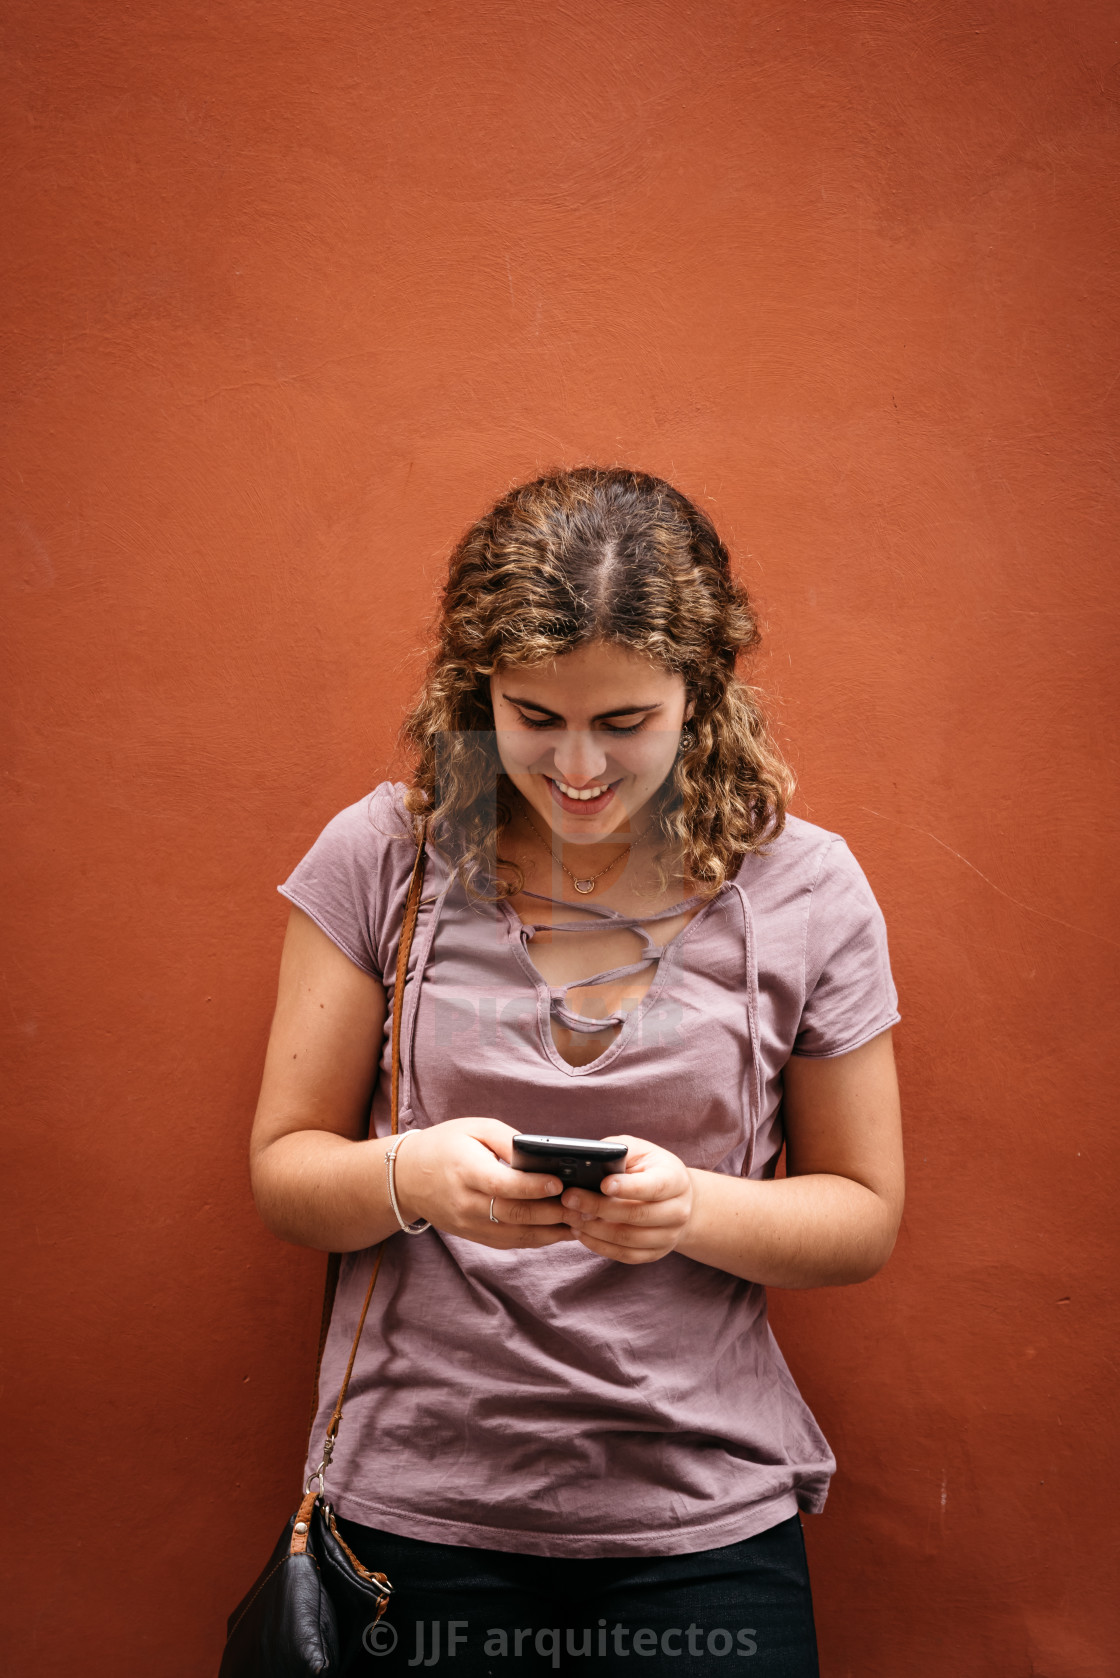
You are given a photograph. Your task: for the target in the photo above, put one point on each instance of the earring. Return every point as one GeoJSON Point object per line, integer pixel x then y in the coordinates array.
{"type": "Point", "coordinates": [688, 740]}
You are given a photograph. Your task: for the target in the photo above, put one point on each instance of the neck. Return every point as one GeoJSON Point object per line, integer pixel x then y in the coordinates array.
{"type": "Point", "coordinates": [626, 865]}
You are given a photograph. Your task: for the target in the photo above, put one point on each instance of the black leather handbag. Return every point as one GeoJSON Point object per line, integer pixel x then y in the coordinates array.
{"type": "Point", "coordinates": [308, 1610]}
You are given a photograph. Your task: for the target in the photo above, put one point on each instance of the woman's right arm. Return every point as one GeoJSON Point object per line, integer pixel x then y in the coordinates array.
{"type": "Point", "coordinates": [317, 1180]}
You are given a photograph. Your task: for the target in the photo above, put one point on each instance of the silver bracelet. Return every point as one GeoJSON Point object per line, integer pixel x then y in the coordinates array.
{"type": "Point", "coordinates": [421, 1224]}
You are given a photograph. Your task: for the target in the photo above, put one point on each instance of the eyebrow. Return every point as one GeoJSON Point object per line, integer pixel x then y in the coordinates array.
{"type": "Point", "coordinates": [600, 716]}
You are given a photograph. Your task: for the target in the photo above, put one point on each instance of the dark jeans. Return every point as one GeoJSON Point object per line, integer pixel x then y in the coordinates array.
{"type": "Point", "coordinates": [744, 1608]}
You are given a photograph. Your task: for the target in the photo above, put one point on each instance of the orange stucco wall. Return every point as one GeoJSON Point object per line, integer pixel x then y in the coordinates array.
{"type": "Point", "coordinates": [293, 290]}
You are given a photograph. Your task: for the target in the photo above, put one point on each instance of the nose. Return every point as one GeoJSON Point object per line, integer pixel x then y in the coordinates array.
{"type": "Point", "coordinates": [580, 757]}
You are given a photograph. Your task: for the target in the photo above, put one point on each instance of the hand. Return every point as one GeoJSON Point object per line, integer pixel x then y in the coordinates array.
{"type": "Point", "coordinates": [449, 1173]}
{"type": "Point", "coordinates": [641, 1213]}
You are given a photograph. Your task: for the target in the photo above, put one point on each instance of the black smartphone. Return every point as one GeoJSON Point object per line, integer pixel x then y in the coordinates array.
{"type": "Point", "coordinates": [579, 1163]}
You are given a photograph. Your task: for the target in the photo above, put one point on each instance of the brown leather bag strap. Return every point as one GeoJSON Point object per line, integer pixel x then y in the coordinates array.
{"type": "Point", "coordinates": [404, 950]}
{"type": "Point", "coordinates": [330, 1288]}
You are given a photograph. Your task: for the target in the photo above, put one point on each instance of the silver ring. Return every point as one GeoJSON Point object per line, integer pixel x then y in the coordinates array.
{"type": "Point", "coordinates": [493, 1219]}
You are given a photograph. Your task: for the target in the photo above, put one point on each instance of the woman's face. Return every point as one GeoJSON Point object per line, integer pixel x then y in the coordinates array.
{"type": "Point", "coordinates": [602, 721]}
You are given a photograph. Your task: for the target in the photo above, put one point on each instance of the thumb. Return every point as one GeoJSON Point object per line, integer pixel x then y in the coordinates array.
{"type": "Point", "coordinates": [495, 1135]}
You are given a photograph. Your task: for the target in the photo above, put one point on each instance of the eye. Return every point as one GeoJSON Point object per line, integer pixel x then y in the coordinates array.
{"type": "Point", "coordinates": [557, 722]}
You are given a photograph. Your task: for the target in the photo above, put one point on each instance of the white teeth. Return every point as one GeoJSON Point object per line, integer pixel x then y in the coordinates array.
{"type": "Point", "coordinates": [582, 793]}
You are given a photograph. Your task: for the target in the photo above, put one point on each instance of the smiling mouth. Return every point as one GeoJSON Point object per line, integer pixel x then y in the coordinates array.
{"type": "Point", "coordinates": [584, 800]}
{"type": "Point", "coordinates": [583, 794]}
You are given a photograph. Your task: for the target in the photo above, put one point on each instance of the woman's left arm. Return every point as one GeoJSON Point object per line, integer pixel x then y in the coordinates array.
{"type": "Point", "coordinates": [831, 1220]}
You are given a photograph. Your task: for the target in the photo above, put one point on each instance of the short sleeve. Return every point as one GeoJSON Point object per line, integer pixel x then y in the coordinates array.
{"type": "Point", "coordinates": [351, 873]}
{"type": "Point", "coordinates": [849, 992]}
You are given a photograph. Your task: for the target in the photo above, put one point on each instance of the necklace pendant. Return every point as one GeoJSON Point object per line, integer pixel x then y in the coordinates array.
{"type": "Point", "coordinates": [584, 886]}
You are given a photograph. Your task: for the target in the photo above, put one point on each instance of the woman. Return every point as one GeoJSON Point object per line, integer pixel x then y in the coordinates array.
{"type": "Point", "coordinates": [565, 1458]}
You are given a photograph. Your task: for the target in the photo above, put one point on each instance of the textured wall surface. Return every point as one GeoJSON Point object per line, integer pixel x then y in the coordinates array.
{"type": "Point", "coordinates": [292, 291]}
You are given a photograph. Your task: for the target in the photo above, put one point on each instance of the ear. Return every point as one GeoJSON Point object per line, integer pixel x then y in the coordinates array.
{"type": "Point", "coordinates": [688, 710]}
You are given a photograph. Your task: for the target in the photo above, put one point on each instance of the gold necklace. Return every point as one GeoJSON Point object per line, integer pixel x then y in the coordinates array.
{"type": "Point", "coordinates": [587, 884]}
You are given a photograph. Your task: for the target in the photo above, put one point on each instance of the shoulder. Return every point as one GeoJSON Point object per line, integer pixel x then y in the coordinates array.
{"type": "Point", "coordinates": [793, 864]}
{"type": "Point", "coordinates": [816, 868]}
{"type": "Point", "coordinates": [799, 841]}
{"type": "Point", "coordinates": [811, 885]}
{"type": "Point", "coordinates": [353, 879]}
{"type": "Point", "coordinates": [369, 844]}
{"type": "Point", "coordinates": [821, 933]}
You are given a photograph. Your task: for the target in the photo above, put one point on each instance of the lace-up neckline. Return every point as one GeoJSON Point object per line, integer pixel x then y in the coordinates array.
{"type": "Point", "coordinates": [614, 921]}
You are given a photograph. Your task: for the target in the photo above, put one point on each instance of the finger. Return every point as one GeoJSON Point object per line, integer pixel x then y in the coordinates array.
{"type": "Point", "coordinates": [524, 1185]}
{"type": "Point", "coordinates": [647, 1183]}
{"type": "Point", "coordinates": [585, 1202]}
{"type": "Point", "coordinates": [488, 1176]}
{"type": "Point", "coordinates": [621, 1255]}
{"type": "Point", "coordinates": [621, 1212]}
{"type": "Point", "coordinates": [642, 1209]}
{"type": "Point", "coordinates": [529, 1211]}
{"type": "Point", "coordinates": [493, 1134]}
{"type": "Point", "coordinates": [625, 1236]}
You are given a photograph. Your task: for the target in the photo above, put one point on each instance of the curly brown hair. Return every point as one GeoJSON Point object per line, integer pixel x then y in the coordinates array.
{"type": "Point", "coordinates": [597, 554]}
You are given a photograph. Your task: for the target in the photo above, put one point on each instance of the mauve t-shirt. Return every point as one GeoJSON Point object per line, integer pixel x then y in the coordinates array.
{"type": "Point", "coordinates": [553, 1402]}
